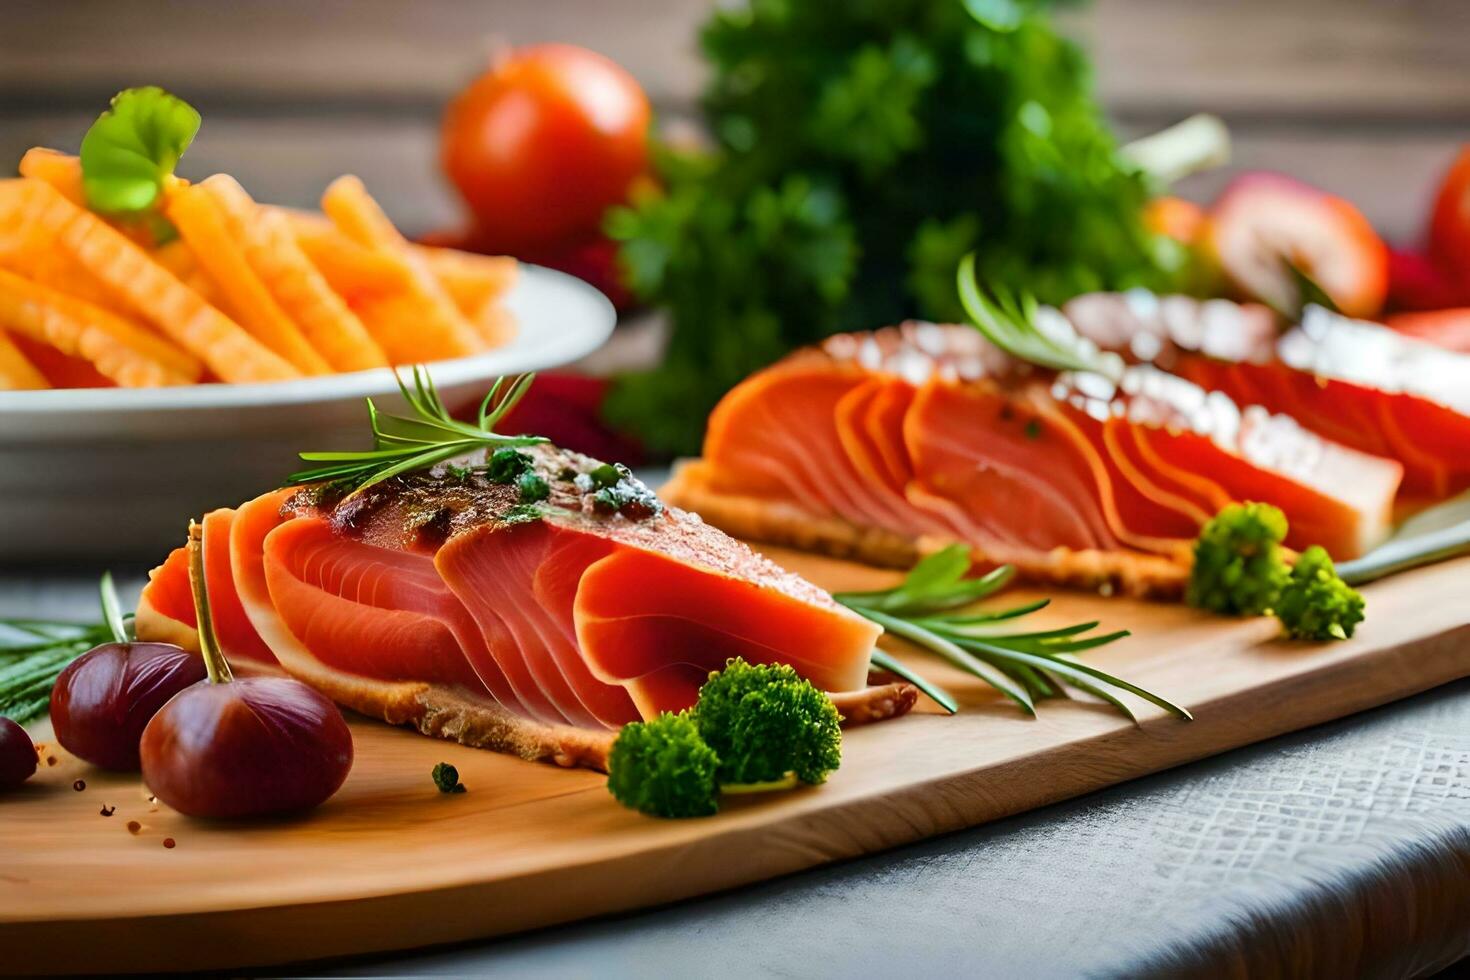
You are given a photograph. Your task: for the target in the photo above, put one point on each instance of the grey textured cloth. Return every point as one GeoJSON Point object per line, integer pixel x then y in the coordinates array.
{"type": "Point", "coordinates": [1341, 851]}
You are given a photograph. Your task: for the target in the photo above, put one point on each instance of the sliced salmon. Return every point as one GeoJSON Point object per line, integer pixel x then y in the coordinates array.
{"type": "Point", "coordinates": [1356, 383]}
{"type": "Point", "coordinates": [927, 432]}
{"type": "Point", "coordinates": [438, 599]}
{"type": "Point", "coordinates": [168, 605]}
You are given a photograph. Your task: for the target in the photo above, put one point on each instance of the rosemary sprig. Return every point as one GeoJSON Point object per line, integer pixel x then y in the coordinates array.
{"type": "Point", "coordinates": [404, 445]}
{"type": "Point", "coordinates": [34, 651]}
{"type": "Point", "coordinates": [1009, 322]}
{"type": "Point", "coordinates": [934, 606]}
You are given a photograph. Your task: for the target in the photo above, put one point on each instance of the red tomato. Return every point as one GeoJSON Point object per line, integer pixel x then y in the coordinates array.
{"type": "Point", "coordinates": [542, 144]}
{"type": "Point", "coordinates": [1449, 226]}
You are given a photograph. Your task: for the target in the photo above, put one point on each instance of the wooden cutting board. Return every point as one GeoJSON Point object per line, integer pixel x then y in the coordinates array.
{"type": "Point", "coordinates": [391, 863]}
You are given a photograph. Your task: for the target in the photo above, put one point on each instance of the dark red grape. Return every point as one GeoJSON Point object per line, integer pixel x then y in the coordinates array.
{"type": "Point", "coordinates": [17, 755]}
{"type": "Point", "coordinates": [249, 747]}
{"type": "Point", "coordinates": [104, 698]}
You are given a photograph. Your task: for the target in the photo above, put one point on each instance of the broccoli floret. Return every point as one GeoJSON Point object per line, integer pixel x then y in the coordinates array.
{"type": "Point", "coordinates": [664, 769]}
{"type": "Point", "coordinates": [1238, 567]}
{"type": "Point", "coordinates": [766, 721]}
{"type": "Point", "coordinates": [1315, 604]}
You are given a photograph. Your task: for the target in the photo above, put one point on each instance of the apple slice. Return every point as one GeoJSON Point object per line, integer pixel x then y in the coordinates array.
{"type": "Point", "coordinates": [1265, 224]}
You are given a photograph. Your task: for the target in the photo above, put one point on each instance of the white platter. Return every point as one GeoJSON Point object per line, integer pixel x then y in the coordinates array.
{"type": "Point", "coordinates": [114, 473]}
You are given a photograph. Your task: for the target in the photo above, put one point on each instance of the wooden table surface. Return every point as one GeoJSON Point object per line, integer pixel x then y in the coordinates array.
{"type": "Point", "coordinates": [1343, 850]}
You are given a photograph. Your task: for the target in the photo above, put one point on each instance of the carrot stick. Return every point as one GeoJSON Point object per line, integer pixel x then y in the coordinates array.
{"type": "Point", "coordinates": [61, 170]}
{"type": "Point", "coordinates": [424, 324]}
{"type": "Point", "coordinates": [270, 248]}
{"type": "Point", "coordinates": [128, 354]}
{"type": "Point", "coordinates": [144, 285]}
{"type": "Point", "coordinates": [178, 258]}
{"type": "Point", "coordinates": [354, 273]}
{"type": "Point", "coordinates": [495, 323]}
{"type": "Point", "coordinates": [16, 372]}
{"type": "Point", "coordinates": [202, 224]}
{"type": "Point", "coordinates": [471, 280]}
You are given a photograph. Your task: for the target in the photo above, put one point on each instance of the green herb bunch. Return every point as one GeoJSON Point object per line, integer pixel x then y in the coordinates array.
{"type": "Point", "coordinates": [1240, 569]}
{"type": "Point", "coordinates": [861, 149]}
{"type": "Point", "coordinates": [755, 728]}
{"type": "Point", "coordinates": [34, 652]}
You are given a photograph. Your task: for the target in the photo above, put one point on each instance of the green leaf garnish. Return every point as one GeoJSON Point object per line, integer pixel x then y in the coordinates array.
{"type": "Point", "coordinates": [405, 445]}
{"type": "Point", "coordinates": [1009, 322]}
{"type": "Point", "coordinates": [33, 652]}
{"type": "Point", "coordinates": [133, 148]}
{"type": "Point", "coordinates": [933, 607]}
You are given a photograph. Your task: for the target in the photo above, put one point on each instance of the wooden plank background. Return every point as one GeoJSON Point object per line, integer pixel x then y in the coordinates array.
{"type": "Point", "coordinates": [1367, 98]}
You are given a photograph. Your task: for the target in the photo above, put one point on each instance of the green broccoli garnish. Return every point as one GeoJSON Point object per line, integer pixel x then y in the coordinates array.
{"type": "Point", "coordinates": [664, 769]}
{"type": "Point", "coordinates": [765, 721]}
{"type": "Point", "coordinates": [755, 728]}
{"type": "Point", "coordinates": [1238, 566]}
{"type": "Point", "coordinates": [1315, 604]}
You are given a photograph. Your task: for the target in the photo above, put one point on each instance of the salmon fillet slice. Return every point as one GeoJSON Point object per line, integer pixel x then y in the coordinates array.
{"type": "Point", "coordinates": [441, 600]}
{"type": "Point", "coordinates": [888, 444]}
{"type": "Point", "coordinates": [1356, 383]}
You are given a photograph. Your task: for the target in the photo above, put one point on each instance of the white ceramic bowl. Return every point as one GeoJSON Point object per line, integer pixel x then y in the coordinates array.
{"type": "Point", "coordinates": [116, 473]}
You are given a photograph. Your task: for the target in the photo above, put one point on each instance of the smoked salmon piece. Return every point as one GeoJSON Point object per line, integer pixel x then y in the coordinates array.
{"type": "Point", "coordinates": [442, 600]}
{"type": "Point", "coordinates": [922, 435]}
{"type": "Point", "coordinates": [1356, 383]}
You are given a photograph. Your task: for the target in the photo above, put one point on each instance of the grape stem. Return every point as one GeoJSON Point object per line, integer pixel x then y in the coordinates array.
{"type": "Point", "coordinates": [215, 663]}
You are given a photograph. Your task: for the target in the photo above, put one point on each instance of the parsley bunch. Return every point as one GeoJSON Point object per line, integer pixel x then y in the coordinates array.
{"type": "Point", "coordinates": [861, 149]}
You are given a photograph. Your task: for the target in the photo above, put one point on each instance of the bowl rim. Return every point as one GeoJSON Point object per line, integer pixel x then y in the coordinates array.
{"type": "Point", "coordinates": [544, 346]}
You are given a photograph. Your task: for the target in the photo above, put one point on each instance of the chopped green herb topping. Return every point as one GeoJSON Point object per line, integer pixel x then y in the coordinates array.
{"type": "Point", "coordinates": [446, 777]}
{"type": "Point", "coordinates": [521, 514]}
{"type": "Point", "coordinates": [506, 465]}
{"type": "Point", "coordinates": [1315, 604]}
{"type": "Point", "coordinates": [609, 475]}
{"type": "Point", "coordinates": [533, 487]}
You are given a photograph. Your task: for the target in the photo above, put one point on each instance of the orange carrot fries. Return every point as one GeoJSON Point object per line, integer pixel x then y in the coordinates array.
{"type": "Point", "coordinates": [125, 274]}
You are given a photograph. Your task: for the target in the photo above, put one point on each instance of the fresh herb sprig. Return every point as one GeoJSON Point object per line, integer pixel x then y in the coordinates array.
{"type": "Point", "coordinates": [1008, 321]}
{"type": "Point", "coordinates": [934, 606]}
{"type": "Point", "coordinates": [129, 155]}
{"type": "Point", "coordinates": [405, 445]}
{"type": "Point", "coordinates": [33, 652]}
